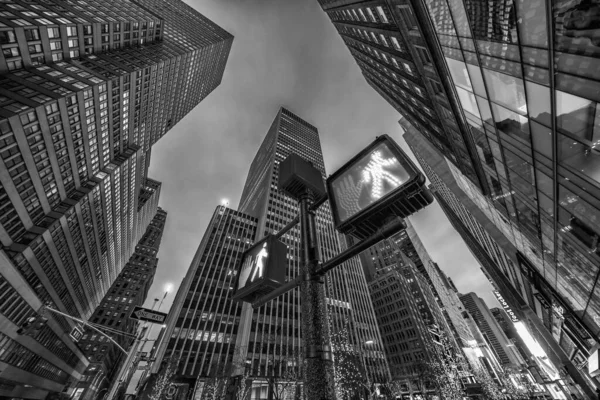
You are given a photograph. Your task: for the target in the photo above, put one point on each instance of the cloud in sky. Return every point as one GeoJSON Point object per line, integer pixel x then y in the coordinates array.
{"type": "Point", "coordinates": [285, 53]}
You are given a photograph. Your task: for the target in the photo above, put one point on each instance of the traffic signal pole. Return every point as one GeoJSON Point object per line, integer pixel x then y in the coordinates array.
{"type": "Point", "coordinates": [318, 368]}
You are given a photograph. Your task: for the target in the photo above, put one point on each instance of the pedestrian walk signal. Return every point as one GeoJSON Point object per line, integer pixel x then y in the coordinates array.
{"type": "Point", "coordinates": [261, 270]}
{"type": "Point", "coordinates": [378, 183]}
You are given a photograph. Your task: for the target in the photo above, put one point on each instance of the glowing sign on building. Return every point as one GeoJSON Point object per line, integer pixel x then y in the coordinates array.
{"type": "Point", "coordinates": [379, 182]}
{"type": "Point", "coordinates": [506, 307]}
{"type": "Point", "coordinates": [262, 269]}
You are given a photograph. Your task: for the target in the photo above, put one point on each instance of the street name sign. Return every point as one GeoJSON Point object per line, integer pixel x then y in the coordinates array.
{"type": "Point", "coordinates": [76, 334]}
{"type": "Point", "coordinates": [262, 269]}
{"type": "Point", "coordinates": [145, 314]}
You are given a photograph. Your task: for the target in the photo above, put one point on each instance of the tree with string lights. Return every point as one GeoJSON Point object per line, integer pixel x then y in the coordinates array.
{"type": "Point", "coordinates": [351, 379]}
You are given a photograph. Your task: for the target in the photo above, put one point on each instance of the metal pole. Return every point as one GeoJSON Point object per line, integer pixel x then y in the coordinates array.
{"type": "Point", "coordinates": [318, 368]}
{"type": "Point", "coordinates": [116, 384]}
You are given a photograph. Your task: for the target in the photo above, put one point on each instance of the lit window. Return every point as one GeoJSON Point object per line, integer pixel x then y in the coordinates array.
{"type": "Point", "coordinates": [371, 15]}
{"type": "Point", "coordinates": [382, 15]}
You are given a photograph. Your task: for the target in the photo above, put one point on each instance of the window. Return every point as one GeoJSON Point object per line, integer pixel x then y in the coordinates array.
{"type": "Point", "coordinates": [396, 43]}
{"type": "Point", "coordinates": [362, 15]}
{"type": "Point", "coordinates": [382, 15]}
{"type": "Point", "coordinates": [437, 87]}
{"type": "Point", "coordinates": [408, 17]}
{"type": "Point", "coordinates": [53, 33]}
{"type": "Point", "coordinates": [506, 90]}
{"type": "Point", "coordinates": [11, 52]}
{"type": "Point", "coordinates": [71, 31]}
{"type": "Point", "coordinates": [383, 40]}
{"type": "Point", "coordinates": [32, 34]}
{"type": "Point", "coordinates": [7, 37]}
{"type": "Point", "coordinates": [423, 55]}
{"type": "Point", "coordinates": [575, 116]}
{"type": "Point", "coordinates": [371, 15]}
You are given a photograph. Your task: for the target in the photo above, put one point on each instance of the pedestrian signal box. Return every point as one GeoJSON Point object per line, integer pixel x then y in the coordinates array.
{"type": "Point", "coordinates": [379, 183]}
{"type": "Point", "coordinates": [262, 269]}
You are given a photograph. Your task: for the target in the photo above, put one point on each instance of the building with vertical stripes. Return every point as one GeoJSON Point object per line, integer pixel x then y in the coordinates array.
{"type": "Point", "coordinates": [219, 329]}
{"type": "Point", "coordinates": [86, 88]}
{"type": "Point", "coordinates": [130, 289]}
{"type": "Point", "coordinates": [203, 323]}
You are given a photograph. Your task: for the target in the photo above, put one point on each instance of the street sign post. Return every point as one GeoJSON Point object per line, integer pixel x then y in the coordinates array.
{"type": "Point", "coordinates": [145, 314]}
{"type": "Point", "coordinates": [76, 334]}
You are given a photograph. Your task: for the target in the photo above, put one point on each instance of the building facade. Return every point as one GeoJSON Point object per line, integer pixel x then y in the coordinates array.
{"type": "Point", "coordinates": [474, 220]}
{"type": "Point", "coordinates": [350, 308]}
{"type": "Point", "coordinates": [86, 88]}
{"type": "Point", "coordinates": [203, 323]}
{"type": "Point", "coordinates": [515, 81]}
{"type": "Point", "coordinates": [492, 332]}
{"type": "Point", "coordinates": [130, 289]}
{"type": "Point", "coordinates": [440, 312]}
{"type": "Point", "coordinates": [406, 337]}
{"type": "Point", "coordinates": [266, 341]}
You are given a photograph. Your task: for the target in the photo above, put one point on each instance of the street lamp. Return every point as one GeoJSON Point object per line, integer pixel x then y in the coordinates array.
{"type": "Point", "coordinates": [168, 288]}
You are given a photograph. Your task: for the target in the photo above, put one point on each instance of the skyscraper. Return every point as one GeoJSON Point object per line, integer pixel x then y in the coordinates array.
{"type": "Point", "coordinates": [129, 290]}
{"type": "Point", "coordinates": [513, 81]}
{"type": "Point", "coordinates": [492, 331]}
{"type": "Point", "coordinates": [206, 329]}
{"type": "Point", "coordinates": [203, 322]}
{"type": "Point", "coordinates": [86, 88]}
{"type": "Point", "coordinates": [474, 219]}
{"type": "Point", "coordinates": [346, 289]}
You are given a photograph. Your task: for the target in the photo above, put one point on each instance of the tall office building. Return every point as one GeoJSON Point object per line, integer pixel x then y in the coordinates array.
{"type": "Point", "coordinates": [203, 322]}
{"type": "Point", "coordinates": [515, 82]}
{"type": "Point", "coordinates": [346, 289]}
{"type": "Point", "coordinates": [86, 88]}
{"type": "Point", "coordinates": [206, 329]}
{"type": "Point", "coordinates": [562, 339]}
{"type": "Point", "coordinates": [438, 306]}
{"type": "Point", "coordinates": [492, 331]}
{"type": "Point", "coordinates": [397, 295]}
{"type": "Point", "coordinates": [130, 289]}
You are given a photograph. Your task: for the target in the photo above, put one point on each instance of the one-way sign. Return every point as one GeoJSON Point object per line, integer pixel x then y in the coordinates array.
{"type": "Point", "coordinates": [144, 314]}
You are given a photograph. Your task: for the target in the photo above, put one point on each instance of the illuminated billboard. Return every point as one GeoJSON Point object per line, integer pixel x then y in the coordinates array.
{"type": "Point", "coordinates": [381, 181]}
{"type": "Point", "coordinates": [262, 269]}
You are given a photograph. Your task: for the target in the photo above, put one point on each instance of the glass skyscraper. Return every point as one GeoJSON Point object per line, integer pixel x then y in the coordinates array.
{"type": "Point", "coordinates": [499, 261]}
{"type": "Point", "coordinates": [512, 86]}
{"type": "Point", "coordinates": [86, 88]}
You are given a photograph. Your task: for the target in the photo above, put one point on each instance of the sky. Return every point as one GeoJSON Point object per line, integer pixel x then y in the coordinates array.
{"type": "Point", "coordinates": [285, 53]}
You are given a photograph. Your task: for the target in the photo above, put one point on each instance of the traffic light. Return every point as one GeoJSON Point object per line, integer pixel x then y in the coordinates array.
{"type": "Point", "coordinates": [32, 326]}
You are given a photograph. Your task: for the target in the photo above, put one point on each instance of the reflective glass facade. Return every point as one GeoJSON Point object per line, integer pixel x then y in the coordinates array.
{"type": "Point", "coordinates": [523, 76]}
{"type": "Point", "coordinates": [560, 335]}
{"type": "Point", "coordinates": [86, 88]}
